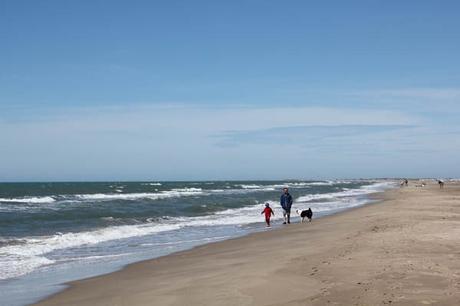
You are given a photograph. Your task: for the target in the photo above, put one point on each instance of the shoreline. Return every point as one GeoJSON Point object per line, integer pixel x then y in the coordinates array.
{"type": "Point", "coordinates": [54, 279]}
{"type": "Point", "coordinates": [375, 254]}
{"type": "Point", "coordinates": [373, 199]}
{"type": "Point", "coordinates": [376, 198]}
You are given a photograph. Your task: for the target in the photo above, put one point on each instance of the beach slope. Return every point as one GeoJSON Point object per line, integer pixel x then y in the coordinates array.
{"type": "Point", "coordinates": [404, 250]}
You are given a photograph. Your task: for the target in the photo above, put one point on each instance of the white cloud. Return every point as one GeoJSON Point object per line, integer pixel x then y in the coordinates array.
{"type": "Point", "coordinates": [411, 93]}
{"type": "Point", "coordinates": [204, 119]}
{"type": "Point", "coordinates": [173, 142]}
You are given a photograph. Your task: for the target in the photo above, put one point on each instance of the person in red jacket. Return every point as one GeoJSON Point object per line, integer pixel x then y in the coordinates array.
{"type": "Point", "coordinates": [268, 213]}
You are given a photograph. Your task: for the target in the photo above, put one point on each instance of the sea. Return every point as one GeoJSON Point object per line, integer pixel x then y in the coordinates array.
{"type": "Point", "coordinates": [53, 233]}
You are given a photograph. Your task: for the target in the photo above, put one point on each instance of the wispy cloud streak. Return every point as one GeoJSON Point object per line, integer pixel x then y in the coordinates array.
{"type": "Point", "coordinates": [313, 134]}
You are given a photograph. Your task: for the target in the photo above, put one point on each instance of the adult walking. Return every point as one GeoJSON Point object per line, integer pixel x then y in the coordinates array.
{"type": "Point", "coordinates": [286, 203]}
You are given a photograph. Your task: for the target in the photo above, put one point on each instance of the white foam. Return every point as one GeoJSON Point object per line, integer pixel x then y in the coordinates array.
{"type": "Point", "coordinates": [96, 257]}
{"type": "Point", "coordinates": [186, 241]}
{"type": "Point", "coordinates": [141, 195]}
{"type": "Point", "coordinates": [176, 192]}
{"type": "Point", "coordinates": [29, 256]}
{"type": "Point", "coordinates": [272, 186]}
{"type": "Point", "coordinates": [14, 266]}
{"type": "Point", "coordinates": [19, 259]}
{"type": "Point", "coordinates": [186, 189]}
{"type": "Point", "coordinates": [291, 185]}
{"type": "Point", "coordinates": [251, 186]}
{"type": "Point", "coordinates": [346, 192]}
{"type": "Point", "coordinates": [328, 183]}
{"type": "Point", "coordinates": [45, 199]}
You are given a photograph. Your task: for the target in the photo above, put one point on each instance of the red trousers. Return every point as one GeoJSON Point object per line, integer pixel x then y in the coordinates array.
{"type": "Point", "coordinates": [267, 219]}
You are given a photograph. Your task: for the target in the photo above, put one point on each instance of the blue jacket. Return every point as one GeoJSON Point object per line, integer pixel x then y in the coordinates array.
{"type": "Point", "coordinates": [286, 201]}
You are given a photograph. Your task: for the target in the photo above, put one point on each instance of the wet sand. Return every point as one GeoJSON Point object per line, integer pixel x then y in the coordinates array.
{"type": "Point", "coordinates": [404, 250]}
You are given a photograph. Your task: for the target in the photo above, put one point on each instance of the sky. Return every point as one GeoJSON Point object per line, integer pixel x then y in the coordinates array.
{"type": "Point", "coordinates": [205, 90]}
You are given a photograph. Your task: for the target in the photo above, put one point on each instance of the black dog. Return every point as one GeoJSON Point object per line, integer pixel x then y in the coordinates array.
{"type": "Point", "coordinates": [305, 214]}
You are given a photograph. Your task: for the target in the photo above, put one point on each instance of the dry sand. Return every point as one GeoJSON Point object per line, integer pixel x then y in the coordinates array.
{"type": "Point", "coordinates": [404, 250]}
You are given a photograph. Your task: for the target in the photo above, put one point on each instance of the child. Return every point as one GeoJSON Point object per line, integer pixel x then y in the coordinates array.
{"type": "Point", "coordinates": [268, 213]}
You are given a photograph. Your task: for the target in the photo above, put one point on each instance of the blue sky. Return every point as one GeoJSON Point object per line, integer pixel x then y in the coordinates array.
{"type": "Point", "coordinates": [179, 90]}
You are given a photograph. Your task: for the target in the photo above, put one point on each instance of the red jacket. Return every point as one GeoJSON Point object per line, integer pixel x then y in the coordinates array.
{"type": "Point", "coordinates": [268, 212]}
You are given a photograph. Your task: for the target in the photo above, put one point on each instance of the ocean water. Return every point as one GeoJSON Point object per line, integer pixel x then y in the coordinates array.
{"type": "Point", "coordinates": [51, 233]}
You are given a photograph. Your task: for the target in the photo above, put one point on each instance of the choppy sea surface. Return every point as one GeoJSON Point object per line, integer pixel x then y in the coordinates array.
{"type": "Point", "coordinates": [51, 233]}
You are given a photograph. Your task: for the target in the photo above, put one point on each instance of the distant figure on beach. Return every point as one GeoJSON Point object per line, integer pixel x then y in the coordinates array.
{"type": "Point", "coordinates": [268, 213]}
{"type": "Point", "coordinates": [286, 203]}
{"type": "Point", "coordinates": [406, 182]}
{"type": "Point", "coordinates": [441, 184]}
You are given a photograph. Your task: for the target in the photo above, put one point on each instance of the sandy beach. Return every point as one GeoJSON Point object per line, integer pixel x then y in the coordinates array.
{"type": "Point", "coordinates": [403, 250]}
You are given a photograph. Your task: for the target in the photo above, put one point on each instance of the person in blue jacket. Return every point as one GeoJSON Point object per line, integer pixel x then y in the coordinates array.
{"type": "Point", "coordinates": [286, 203]}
